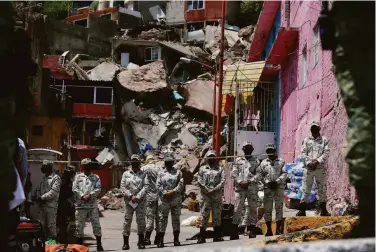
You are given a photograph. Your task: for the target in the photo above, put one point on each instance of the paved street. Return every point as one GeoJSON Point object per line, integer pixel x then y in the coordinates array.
{"type": "Point", "coordinates": [112, 224]}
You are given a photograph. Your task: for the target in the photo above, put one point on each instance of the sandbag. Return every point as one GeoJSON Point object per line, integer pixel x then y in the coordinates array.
{"type": "Point", "coordinates": [66, 248]}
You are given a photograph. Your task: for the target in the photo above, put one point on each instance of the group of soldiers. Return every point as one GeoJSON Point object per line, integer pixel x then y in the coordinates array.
{"type": "Point", "coordinates": [152, 192]}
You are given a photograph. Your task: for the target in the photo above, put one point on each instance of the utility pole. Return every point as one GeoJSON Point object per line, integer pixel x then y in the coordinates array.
{"type": "Point", "coordinates": [219, 103]}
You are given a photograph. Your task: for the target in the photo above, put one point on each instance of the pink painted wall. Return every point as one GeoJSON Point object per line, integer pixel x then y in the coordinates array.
{"type": "Point", "coordinates": [319, 99]}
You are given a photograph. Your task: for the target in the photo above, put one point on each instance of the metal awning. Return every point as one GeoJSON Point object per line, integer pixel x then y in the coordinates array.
{"type": "Point", "coordinates": [284, 44]}
{"type": "Point", "coordinates": [246, 72]}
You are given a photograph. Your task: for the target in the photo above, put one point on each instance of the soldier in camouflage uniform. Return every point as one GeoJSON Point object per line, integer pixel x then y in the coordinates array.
{"type": "Point", "coordinates": [314, 153]}
{"type": "Point", "coordinates": [211, 179]}
{"type": "Point", "coordinates": [48, 196]}
{"type": "Point", "coordinates": [86, 187]}
{"type": "Point", "coordinates": [272, 173]}
{"type": "Point", "coordinates": [133, 188]}
{"type": "Point", "coordinates": [151, 170]}
{"type": "Point", "coordinates": [246, 187]}
{"type": "Point", "coordinates": [170, 183]}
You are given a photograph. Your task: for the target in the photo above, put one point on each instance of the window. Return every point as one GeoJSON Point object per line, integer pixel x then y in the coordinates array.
{"type": "Point", "coordinates": [152, 53]}
{"type": "Point", "coordinates": [304, 67]}
{"type": "Point", "coordinates": [103, 95]}
{"type": "Point", "coordinates": [82, 22]}
{"type": "Point", "coordinates": [106, 16]}
{"type": "Point", "coordinates": [195, 4]}
{"type": "Point", "coordinates": [316, 41]}
{"type": "Point", "coordinates": [37, 130]}
{"type": "Point", "coordinates": [81, 94]}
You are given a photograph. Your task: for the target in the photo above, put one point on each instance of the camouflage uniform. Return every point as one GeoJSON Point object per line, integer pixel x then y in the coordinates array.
{"type": "Point", "coordinates": [151, 171]}
{"type": "Point", "coordinates": [133, 184]}
{"type": "Point", "coordinates": [48, 191]}
{"type": "Point", "coordinates": [314, 149]}
{"type": "Point", "coordinates": [211, 178]}
{"type": "Point", "coordinates": [82, 185]}
{"type": "Point", "coordinates": [273, 171]}
{"type": "Point", "coordinates": [245, 171]}
{"type": "Point", "coordinates": [169, 180]}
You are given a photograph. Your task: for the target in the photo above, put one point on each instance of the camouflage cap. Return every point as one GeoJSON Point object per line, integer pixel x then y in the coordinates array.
{"type": "Point", "coordinates": [211, 153]}
{"type": "Point", "coordinates": [135, 157]}
{"type": "Point", "coordinates": [270, 146]}
{"type": "Point", "coordinates": [247, 143]}
{"type": "Point", "coordinates": [168, 158]}
{"type": "Point", "coordinates": [85, 161]}
{"type": "Point", "coordinates": [47, 163]}
{"type": "Point", "coordinates": [315, 123]}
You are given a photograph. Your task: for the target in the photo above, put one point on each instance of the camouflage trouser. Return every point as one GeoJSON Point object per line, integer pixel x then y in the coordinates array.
{"type": "Point", "coordinates": [251, 209]}
{"type": "Point", "coordinates": [309, 176]}
{"type": "Point", "coordinates": [164, 207]}
{"type": "Point", "coordinates": [48, 217]}
{"type": "Point", "coordinates": [275, 196]}
{"type": "Point", "coordinates": [81, 216]}
{"type": "Point", "coordinates": [152, 215]}
{"type": "Point", "coordinates": [246, 217]}
{"type": "Point", "coordinates": [214, 204]}
{"type": "Point", "coordinates": [140, 218]}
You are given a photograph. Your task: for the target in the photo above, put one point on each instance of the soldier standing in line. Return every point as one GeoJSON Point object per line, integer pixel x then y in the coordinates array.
{"type": "Point", "coordinates": [86, 187]}
{"type": "Point", "coordinates": [211, 179]}
{"type": "Point", "coordinates": [133, 188]}
{"type": "Point", "coordinates": [314, 151]}
{"type": "Point", "coordinates": [170, 182]}
{"type": "Point", "coordinates": [47, 198]}
{"type": "Point", "coordinates": [151, 170]}
{"type": "Point", "coordinates": [246, 187]}
{"type": "Point", "coordinates": [273, 174]}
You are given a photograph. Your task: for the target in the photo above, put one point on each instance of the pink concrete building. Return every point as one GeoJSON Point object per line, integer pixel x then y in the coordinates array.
{"type": "Point", "coordinates": [287, 35]}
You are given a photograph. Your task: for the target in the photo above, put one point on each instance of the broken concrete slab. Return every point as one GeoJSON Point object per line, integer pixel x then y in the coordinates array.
{"type": "Point", "coordinates": [153, 34]}
{"type": "Point", "coordinates": [199, 95]}
{"type": "Point", "coordinates": [129, 111]}
{"type": "Point", "coordinates": [146, 79]}
{"type": "Point", "coordinates": [103, 72]}
{"type": "Point", "coordinates": [148, 132]}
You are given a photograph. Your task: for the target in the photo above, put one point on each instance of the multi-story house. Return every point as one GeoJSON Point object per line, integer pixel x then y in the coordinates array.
{"type": "Point", "coordinates": [287, 43]}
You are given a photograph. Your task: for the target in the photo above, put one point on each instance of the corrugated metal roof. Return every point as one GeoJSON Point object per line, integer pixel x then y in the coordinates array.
{"type": "Point", "coordinates": [244, 72]}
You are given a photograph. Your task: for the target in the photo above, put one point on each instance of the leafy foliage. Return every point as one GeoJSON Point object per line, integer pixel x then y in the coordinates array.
{"type": "Point", "coordinates": [250, 11]}
{"type": "Point", "coordinates": [57, 9]}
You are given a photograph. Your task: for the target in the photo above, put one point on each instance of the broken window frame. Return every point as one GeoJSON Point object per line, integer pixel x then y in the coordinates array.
{"type": "Point", "coordinates": [151, 54]}
{"type": "Point", "coordinates": [191, 5]}
{"type": "Point", "coordinates": [75, 21]}
{"type": "Point", "coordinates": [304, 66]}
{"type": "Point", "coordinates": [95, 96]}
{"type": "Point", "coordinates": [316, 41]}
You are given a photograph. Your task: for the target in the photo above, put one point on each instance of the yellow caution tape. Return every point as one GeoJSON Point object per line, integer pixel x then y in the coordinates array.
{"type": "Point", "coordinates": [186, 159]}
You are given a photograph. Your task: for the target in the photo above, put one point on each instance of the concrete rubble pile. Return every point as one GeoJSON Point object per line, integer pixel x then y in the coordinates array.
{"type": "Point", "coordinates": [153, 34]}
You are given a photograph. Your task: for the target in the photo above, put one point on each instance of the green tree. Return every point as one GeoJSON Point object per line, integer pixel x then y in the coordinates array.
{"type": "Point", "coordinates": [57, 9]}
{"type": "Point", "coordinates": [250, 12]}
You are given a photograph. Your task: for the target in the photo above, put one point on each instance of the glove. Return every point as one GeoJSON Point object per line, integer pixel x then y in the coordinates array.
{"type": "Point", "coordinates": [272, 185]}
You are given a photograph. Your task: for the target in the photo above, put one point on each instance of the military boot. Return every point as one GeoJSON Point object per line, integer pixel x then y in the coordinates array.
{"type": "Point", "coordinates": [252, 232]}
{"type": "Point", "coordinates": [241, 229]}
{"type": "Point", "coordinates": [279, 228]}
{"type": "Point", "coordinates": [234, 232]}
{"type": "Point", "coordinates": [80, 241]}
{"type": "Point", "coordinates": [324, 212]}
{"type": "Point", "coordinates": [217, 234]}
{"type": "Point", "coordinates": [176, 238]}
{"type": "Point", "coordinates": [302, 209]}
{"type": "Point", "coordinates": [126, 243]}
{"type": "Point", "coordinates": [161, 242]}
{"type": "Point", "coordinates": [269, 231]}
{"type": "Point", "coordinates": [156, 239]}
{"type": "Point", "coordinates": [201, 238]}
{"type": "Point", "coordinates": [99, 243]}
{"type": "Point", "coordinates": [140, 242]}
{"type": "Point", "coordinates": [147, 238]}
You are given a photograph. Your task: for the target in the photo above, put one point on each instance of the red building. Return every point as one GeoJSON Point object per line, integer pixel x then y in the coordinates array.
{"type": "Point", "coordinates": [88, 112]}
